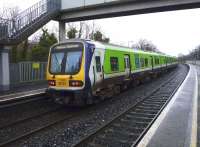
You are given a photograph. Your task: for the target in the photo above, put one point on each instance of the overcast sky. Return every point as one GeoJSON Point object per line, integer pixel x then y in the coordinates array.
{"type": "Point", "coordinates": [172, 32]}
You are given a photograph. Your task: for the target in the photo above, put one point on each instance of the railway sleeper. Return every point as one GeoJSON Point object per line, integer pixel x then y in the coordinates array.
{"type": "Point", "coordinates": [142, 114]}
{"type": "Point", "coordinates": [129, 129]}
{"type": "Point", "coordinates": [129, 116]}
{"type": "Point", "coordinates": [108, 142]}
{"type": "Point", "coordinates": [133, 122]}
{"type": "Point", "coordinates": [118, 132]}
{"type": "Point", "coordinates": [144, 104]}
{"type": "Point", "coordinates": [163, 97]}
{"type": "Point", "coordinates": [158, 100]}
{"type": "Point", "coordinates": [146, 111]}
{"type": "Point", "coordinates": [117, 141]}
{"type": "Point", "coordinates": [155, 102]}
{"type": "Point", "coordinates": [128, 126]}
{"type": "Point", "coordinates": [137, 121]}
{"type": "Point", "coordinates": [148, 108]}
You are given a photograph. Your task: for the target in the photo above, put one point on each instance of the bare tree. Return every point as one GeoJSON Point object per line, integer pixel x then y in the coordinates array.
{"type": "Point", "coordinates": [87, 31]}
{"type": "Point", "coordinates": [145, 45]}
{"type": "Point", "coordinates": [81, 29]}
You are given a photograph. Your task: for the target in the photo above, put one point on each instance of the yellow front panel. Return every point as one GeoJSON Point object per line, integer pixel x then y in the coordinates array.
{"type": "Point", "coordinates": [62, 81]}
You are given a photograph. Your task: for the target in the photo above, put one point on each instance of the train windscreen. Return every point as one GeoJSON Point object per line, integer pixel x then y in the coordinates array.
{"type": "Point", "coordinates": [66, 59]}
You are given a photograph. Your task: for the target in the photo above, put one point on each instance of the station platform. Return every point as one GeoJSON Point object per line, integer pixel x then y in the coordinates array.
{"type": "Point", "coordinates": [21, 92]}
{"type": "Point", "coordinates": [177, 124]}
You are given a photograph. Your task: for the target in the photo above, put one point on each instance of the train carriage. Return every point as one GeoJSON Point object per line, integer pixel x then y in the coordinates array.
{"type": "Point", "coordinates": [81, 70]}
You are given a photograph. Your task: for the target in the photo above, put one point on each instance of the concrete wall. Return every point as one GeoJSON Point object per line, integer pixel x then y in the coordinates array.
{"type": "Point", "coordinates": [68, 4]}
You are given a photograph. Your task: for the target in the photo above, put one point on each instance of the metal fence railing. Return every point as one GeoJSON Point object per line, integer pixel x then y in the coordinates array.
{"type": "Point", "coordinates": [12, 27]}
{"type": "Point", "coordinates": [24, 72]}
{"type": "Point", "coordinates": [195, 62]}
{"type": "Point", "coordinates": [3, 28]}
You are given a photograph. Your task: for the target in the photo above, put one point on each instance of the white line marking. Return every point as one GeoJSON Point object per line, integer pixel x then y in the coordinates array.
{"type": "Point", "coordinates": [22, 93]}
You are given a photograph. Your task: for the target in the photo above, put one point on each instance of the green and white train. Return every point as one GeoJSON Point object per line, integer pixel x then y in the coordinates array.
{"type": "Point", "coordinates": [81, 70]}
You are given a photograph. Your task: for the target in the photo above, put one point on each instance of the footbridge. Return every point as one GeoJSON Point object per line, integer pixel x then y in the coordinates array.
{"type": "Point", "coordinates": [29, 21]}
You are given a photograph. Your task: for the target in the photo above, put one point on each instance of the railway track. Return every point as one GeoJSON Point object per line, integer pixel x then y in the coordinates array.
{"type": "Point", "coordinates": [60, 115]}
{"type": "Point", "coordinates": [128, 128]}
{"type": "Point", "coordinates": [26, 119]}
{"type": "Point", "coordinates": [49, 119]}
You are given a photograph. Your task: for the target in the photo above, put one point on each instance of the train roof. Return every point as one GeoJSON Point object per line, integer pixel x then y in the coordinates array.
{"type": "Point", "coordinates": [124, 48]}
{"type": "Point", "coordinates": [116, 47]}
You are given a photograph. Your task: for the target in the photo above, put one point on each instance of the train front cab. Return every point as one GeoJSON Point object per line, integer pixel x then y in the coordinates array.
{"type": "Point", "coordinates": [66, 72]}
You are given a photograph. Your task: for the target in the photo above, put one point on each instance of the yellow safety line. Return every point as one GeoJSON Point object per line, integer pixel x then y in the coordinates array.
{"type": "Point", "coordinates": [194, 116]}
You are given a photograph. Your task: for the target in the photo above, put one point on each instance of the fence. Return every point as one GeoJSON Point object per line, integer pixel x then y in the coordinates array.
{"type": "Point", "coordinates": [25, 72]}
{"type": "Point", "coordinates": [196, 62]}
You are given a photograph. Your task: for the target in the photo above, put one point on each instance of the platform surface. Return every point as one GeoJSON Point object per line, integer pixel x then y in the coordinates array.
{"type": "Point", "coordinates": [23, 91]}
{"type": "Point", "coordinates": [177, 124]}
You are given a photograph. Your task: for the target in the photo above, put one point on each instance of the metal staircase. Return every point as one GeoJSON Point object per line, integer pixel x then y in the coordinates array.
{"type": "Point", "coordinates": [27, 22]}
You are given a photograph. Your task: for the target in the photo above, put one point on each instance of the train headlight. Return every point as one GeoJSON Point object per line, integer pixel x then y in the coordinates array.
{"type": "Point", "coordinates": [75, 83]}
{"type": "Point", "coordinates": [52, 83]}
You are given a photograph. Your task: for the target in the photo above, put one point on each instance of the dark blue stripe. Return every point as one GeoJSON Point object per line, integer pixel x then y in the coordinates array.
{"type": "Point", "coordinates": [88, 58]}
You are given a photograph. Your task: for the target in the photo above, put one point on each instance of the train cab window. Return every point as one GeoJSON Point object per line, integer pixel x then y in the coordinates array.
{"type": "Point", "coordinates": [114, 63]}
{"type": "Point", "coordinates": [98, 63]}
{"type": "Point", "coordinates": [146, 62]}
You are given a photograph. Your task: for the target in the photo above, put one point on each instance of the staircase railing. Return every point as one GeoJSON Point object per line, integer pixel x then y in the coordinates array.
{"type": "Point", "coordinates": [4, 23]}
{"type": "Point", "coordinates": [11, 28]}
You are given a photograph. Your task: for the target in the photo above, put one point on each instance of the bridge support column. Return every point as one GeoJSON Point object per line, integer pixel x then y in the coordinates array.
{"type": "Point", "coordinates": [62, 31]}
{"type": "Point", "coordinates": [4, 69]}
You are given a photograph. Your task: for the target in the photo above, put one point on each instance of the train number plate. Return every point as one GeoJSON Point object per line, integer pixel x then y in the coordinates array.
{"type": "Point", "coordinates": [61, 83]}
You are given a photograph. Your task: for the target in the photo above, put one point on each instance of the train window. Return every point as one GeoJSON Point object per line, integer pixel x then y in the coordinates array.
{"type": "Point", "coordinates": [146, 62]}
{"type": "Point", "coordinates": [157, 61]}
{"type": "Point", "coordinates": [142, 62]}
{"type": "Point", "coordinates": [114, 63]}
{"type": "Point", "coordinates": [73, 62]}
{"type": "Point", "coordinates": [98, 63]}
{"type": "Point", "coordinates": [125, 63]}
{"type": "Point", "coordinates": [57, 60]}
{"type": "Point", "coordinates": [137, 61]}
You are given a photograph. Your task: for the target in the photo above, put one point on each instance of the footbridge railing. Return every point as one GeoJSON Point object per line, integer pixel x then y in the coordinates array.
{"type": "Point", "coordinates": [29, 20]}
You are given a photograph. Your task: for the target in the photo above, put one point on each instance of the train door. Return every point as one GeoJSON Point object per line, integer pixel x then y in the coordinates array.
{"type": "Point", "coordinates": [98, 71]}
{"type": "Point", "coordinates": [152, 64]}
{"type": "Point", "coordinates": [127, 65]}
{"type": "Point", "coordinates": [166, 61]}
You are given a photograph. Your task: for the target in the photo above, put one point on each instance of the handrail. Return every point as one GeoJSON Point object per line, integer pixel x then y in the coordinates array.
{"type": "Point", "coordinates": [11, 28]}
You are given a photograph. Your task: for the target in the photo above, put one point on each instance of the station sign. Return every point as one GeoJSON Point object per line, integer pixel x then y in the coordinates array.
{"type": "Point", "coordinates": [36, 65]}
